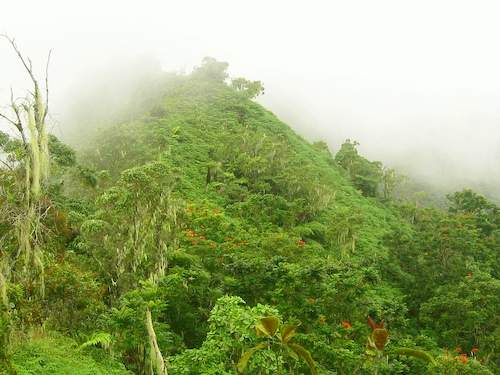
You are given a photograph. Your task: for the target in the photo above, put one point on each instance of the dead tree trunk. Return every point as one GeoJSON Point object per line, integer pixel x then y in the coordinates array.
{"type": "Point", "coordinates": [156, 356]}
{"type": "Point", "coordinates": [28, 118]}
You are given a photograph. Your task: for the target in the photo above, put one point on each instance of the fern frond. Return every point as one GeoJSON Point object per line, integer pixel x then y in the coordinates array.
{"type": "Point", "coordinates": [101, 339]}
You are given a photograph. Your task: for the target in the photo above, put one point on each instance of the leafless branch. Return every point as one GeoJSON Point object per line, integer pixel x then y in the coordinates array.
{"type": "Point", "coordinates": [47, 86]}
{"type": "Point", "coordinates": [7, 165]}
{"type": "Point", "coordinates": [18, 124]}
{"type": "Point", "coordinates": [8, 119]}
{"type": "Point", "coordinates": [27, 66]}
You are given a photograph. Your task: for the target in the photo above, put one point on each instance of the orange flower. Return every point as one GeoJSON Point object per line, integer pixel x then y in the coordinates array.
{"type": "Point", "coordinates": [462, 358]}
{"type": "Point", "coordinates": [474, 350]}
{"type": "Point", "coordinates": [301, 243]}
{"type": "Point", "coordinates": [458, 349]}
{"type": "Point", "coordinates": [346, 324]}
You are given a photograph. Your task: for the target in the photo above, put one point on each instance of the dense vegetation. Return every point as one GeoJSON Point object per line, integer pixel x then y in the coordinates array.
{"type": "Point", "coordinates": [206, 237]}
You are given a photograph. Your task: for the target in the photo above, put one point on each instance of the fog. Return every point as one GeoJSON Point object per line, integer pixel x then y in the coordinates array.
{"type": "Point", "coordinates": [416, 83]}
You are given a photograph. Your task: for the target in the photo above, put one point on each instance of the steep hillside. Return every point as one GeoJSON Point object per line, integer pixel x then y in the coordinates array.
{"type": "Point", "coordinates": [207, 214]}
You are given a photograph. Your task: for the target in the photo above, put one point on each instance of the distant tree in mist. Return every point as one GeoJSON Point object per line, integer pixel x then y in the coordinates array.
{"type": "Point", "coordinates": [366, 175]}
{"type": "Point", "coordinates": [250, 89]}
{"type": "Point", "coordinates": [211, 69]}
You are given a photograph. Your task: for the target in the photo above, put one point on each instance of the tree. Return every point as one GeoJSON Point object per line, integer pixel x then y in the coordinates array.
{"type": "Point", "coordinates": [466, 314]}
{"type": "Point", "coordinates": [366, 175]}
{"type": "Point", "coordinates": [249, 89]}
{"type": "Point", "coordinates": [390, 181]}
{"type": "Point", "coordinates": [344, 230]}
{"type": "Point", "coordinates": [156, 356]}
{"type": "Point", "coordinates": [135, 227]}
{"type": "Point", "coordinates": [212, 70]}
{"type": "Point", "coordinates": [467, 202]}
{"type": "Point", "coordinates": [29, 153]}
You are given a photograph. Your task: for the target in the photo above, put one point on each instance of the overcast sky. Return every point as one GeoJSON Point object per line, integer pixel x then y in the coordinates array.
{"type": "Point", "coordinates": [417, 83]}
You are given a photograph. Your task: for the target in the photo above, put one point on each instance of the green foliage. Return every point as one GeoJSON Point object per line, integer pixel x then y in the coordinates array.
{"type": "Point", "coordinates": [212, 70]}
{"type": "Point", "coordinates": [49, 356]}
{"type": "Point", "coordinates": [99, 339]}
{"type": "Point", "coordinates": [230, 332]}
{"type": "Point", "coordinates": [60, 153]}
{"type": "Point", "coordinates": [138, 220]}
{"type": "Point", "coordinates": [278, 339]}
{"type": "Point", "coordinates": [467, 202]}
{"type": "Point", "coordinates": [415, 353]}
{"type": "Point", "coordinates": [250, 89]}
{"type": "Point", "coordinates": [207, 200]}
{"type": "Point", "coordinates": [365, 175]}
{"type": "Point", "coordinates": [468, 314]}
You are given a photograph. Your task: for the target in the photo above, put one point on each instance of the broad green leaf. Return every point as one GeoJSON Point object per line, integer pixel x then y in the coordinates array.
{"type": "Point", "coordinates": [292, 353]}
{"type": "Point", "coordinates": [305, 355]}
{"type": "Point", "coordinates": [415, 353]}
{"type": "Point", "coordinates": [243, 362]}
{"type": "Point", "coordinates": [268, 326]}
{"type": "Point", "coordinates": [288, 332]}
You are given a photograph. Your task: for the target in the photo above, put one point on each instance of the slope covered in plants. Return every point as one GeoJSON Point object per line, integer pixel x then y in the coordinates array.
{"type": "Point", "coordinates": [174, 234]}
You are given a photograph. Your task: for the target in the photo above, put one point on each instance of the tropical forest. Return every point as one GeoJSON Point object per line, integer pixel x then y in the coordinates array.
{"type": "Point", "coordinates": [196, 233]}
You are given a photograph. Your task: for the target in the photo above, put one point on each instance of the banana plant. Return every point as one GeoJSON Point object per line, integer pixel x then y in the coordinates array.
{"type": "Point", "coordinates": [277, 337]}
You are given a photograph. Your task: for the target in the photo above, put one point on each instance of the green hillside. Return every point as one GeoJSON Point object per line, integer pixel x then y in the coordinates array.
{"type": "Point", "coordinates": [210, 216]}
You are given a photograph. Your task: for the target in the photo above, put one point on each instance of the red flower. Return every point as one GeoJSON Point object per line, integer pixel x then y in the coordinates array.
{"type": "Point", "coordinates": [191, 233]}
{"type": "Point", "coordinates": [462, 358]}
{"type": "Point", "coordinates": [474, 350]}
{"type": "Point", "coordinates": [346, 324]}
{"type": "Point", "coordinates": [301, 243]}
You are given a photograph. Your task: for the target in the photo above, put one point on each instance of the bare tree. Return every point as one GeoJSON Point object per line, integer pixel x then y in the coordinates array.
{"type": "Point", "coordinates": [28, 117]}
